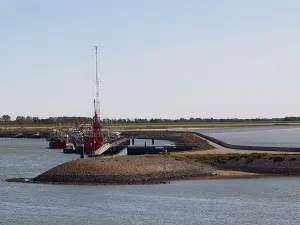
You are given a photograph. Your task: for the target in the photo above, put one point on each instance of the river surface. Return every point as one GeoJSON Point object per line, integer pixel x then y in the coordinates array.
{"type": "Point", "coordinates": [261, 201]}
{"type": "Point", "coordinates": [281, 136]}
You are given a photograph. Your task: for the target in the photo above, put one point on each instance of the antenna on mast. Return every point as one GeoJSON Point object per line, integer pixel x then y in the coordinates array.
{"type": "Point", "coordinates": [97, 103]}
{"type": "Point", "coordinates": [95, 106]}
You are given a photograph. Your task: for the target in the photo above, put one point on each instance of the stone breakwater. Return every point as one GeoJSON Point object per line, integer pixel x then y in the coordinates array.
{"type": "Point", "coordinates": [124, 170]}
{"type": "Point", "coordinates": [163, 168]}
{"type": "Point", "coordinates": [261, 163]}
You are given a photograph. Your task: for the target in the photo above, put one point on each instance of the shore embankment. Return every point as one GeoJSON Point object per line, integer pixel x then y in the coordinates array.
{"type": "Point", "coordinates": [261, 163]}
{"type": "Point", "coordinates": [124, 170]}
{"type": "Point", "coordinates": [153, 169]}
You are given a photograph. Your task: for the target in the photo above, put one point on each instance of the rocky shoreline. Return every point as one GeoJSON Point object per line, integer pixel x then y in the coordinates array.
{"type": "Point", "coordinates": [258, 163]}
{"type": "Point", "coordinates": [154, 169]}
{"type": "Point", "coordinates": [124, 170]}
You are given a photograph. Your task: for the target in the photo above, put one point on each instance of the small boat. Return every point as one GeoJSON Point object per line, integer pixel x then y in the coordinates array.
{"type": "Point", "coordinates": [19, 135]}
{"type": "Point", "coordinates": [37, 135]}
{"type": "Point", "coordinates": [116, 133]}
{"type": "Point", "coordinates": [69, 148]}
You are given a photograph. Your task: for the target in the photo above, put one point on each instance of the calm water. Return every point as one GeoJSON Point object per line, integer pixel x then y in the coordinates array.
{"type": "Point", "coordinates": [265, 201]}
{"type": "Point", "coordinates": [27, 158]}
{"type": "Point", "coordinates": [259, 136]}
{"type": "Point", "coordinates": [141, 142]}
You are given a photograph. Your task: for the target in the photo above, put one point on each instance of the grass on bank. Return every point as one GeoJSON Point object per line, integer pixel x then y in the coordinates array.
{"type": "Point", "coordinates": [209, 158]}
{"type": "Point", "coordinates": [223, 158]}
{"type": "Point", "coordinates": [123, 126]}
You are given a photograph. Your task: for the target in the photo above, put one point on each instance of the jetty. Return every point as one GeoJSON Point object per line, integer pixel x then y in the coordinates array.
{"type": "Point", "coordinates": [111, 148]}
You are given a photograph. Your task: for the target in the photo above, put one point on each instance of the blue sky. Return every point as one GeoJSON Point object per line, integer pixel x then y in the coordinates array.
{"type": "Point", "coordinates": [158, 58]}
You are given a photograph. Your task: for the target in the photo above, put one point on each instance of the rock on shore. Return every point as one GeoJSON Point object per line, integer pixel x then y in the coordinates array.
{"type": "Point", "coordinates": [283, 164]}
{"type": "Point", "coordinates": [125, 170]}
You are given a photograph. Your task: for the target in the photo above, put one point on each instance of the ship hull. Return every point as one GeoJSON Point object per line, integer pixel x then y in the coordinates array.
{"type": "Point", "coordinates": [57, 144]}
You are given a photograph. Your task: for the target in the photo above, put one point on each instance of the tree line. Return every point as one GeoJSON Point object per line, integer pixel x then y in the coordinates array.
{"type": "Point", "coordinates": [6, 119]}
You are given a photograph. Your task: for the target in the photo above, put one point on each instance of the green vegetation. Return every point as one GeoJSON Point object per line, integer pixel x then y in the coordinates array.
{"type": "Point", "coordinates": [67, 122]}
{"type": "Point", "coordinates": [221, 158]}
{"type": "Point", "coordinates": [153, 126]}
{"type": "Point", "coordinates": [209, 158]}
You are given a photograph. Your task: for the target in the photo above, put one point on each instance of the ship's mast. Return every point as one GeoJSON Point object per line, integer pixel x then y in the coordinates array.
{"type": "Point", "coordinates": [97, 104]}
{"type": "Point", "coordinates": [96, 121]}
{"type": "Point", "coordinates": [96, 140]}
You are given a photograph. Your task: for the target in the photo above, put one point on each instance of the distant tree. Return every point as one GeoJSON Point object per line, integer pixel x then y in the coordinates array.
{"type": "Point", "coordinates": [290, 118]}
{"type": "Point", "coordinates": [28, 120]}
{"type": "Point", "coordinates": [5, 118]}
{"type": "Point", "coordinates": [79, 120]}
{"type": "Point", "coordinates": [35, 120]}
{"type": "Point", "coordinates": [52, 120]}
{"type": "Point", "coordinates": [20, 119]}
{"type": "Point", "coordinates": [192, 119]}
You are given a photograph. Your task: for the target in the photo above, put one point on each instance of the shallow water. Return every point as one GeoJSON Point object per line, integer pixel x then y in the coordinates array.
{"type": "Point", "coordinates": [267, 201]}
